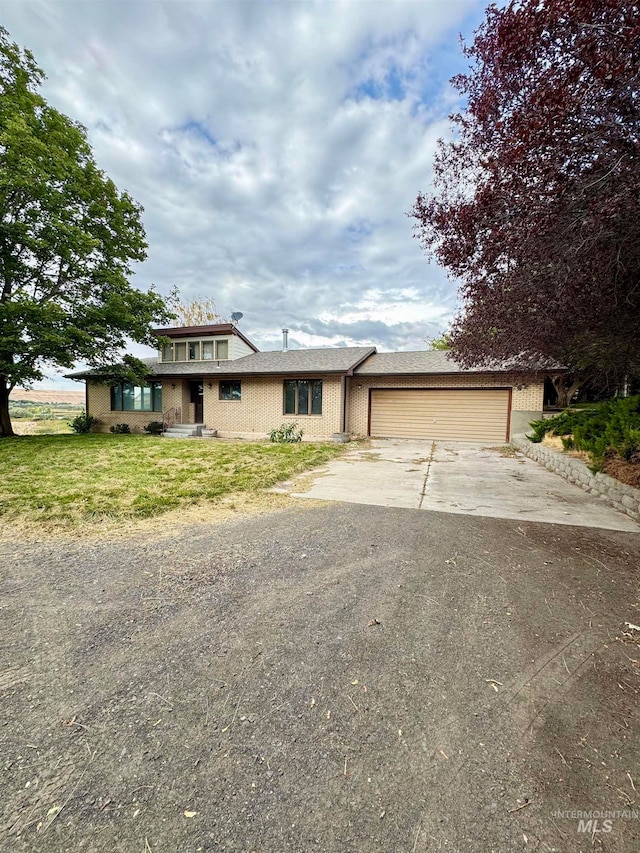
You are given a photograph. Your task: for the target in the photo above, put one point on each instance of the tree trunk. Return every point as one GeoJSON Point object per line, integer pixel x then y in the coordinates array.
{"type": "Point", "coordinates": [5, 421]}
{"type": "Point", "coordinates": [565, 389]}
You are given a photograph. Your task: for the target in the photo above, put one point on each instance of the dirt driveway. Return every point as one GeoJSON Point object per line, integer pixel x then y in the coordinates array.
{"type": "Point", "coordinates": [342, 678]}
{"type": "Point", "coordinates": [467, 478]}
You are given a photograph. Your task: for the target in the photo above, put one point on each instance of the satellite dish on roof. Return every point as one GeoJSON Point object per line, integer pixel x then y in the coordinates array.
{"type": "Point", "coordinates": [236, 317]}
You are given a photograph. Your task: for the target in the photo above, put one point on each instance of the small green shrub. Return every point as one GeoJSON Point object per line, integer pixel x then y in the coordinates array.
{"type": "Point", "coordinates": [286, 433]}
{"type": "Point", "coordinates": [562, 424]}
{"type": "Point", "coordinates": [83, 423]}
{"type": "Point", "coordinates": [154, 428]}
{"type": "Point", "coordinates": [604, 429]}
{"type": "Point", "coordinates": [120, 429]}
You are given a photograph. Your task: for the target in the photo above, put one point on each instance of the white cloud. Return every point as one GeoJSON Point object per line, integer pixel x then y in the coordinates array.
{"type": "Point", "coordinates": [276, 148]}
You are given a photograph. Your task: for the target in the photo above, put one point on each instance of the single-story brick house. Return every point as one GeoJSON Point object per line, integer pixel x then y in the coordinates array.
{"type": "Point", "coordinates": [214, 375]}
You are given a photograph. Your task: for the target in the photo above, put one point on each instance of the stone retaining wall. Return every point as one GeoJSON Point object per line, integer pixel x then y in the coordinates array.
{"type": "Point", "coordinates": [620, 496]}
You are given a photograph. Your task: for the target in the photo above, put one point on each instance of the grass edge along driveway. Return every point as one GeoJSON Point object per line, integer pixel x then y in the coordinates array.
{"type": "Point", "coordinates": [66, 480]}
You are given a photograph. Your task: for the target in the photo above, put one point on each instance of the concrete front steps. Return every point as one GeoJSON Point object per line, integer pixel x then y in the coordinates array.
{"type": "Point", "coordinates": [183, 431]}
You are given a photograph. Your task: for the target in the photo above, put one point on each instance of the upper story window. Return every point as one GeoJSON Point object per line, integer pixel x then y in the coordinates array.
{"type": "Point", "coordinates": [218, 350]}
{"type": "Point", "coordinates": [196, 351]}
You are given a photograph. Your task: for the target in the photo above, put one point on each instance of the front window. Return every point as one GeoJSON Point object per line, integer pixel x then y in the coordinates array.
{"type": "Point", "coordinates": [127, 397]}
{"type": "Point", "coordinates": [222, 350]}
{"type": "Point", "coordinates": [303, 397]}
{"type": "Point", "coordinates": [230, 391]}
{"type": "Point", "coordinates": [194, 351]}
{"type": "Point", "coordinates": [167, 352]}
{"type": "Point", "coordinates": [180, 352]}
{"type": "Point", "coordinates": [207, 350]}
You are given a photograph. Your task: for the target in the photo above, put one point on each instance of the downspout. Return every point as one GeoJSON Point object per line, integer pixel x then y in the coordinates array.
{"type": "Point", "coordinates": [344, 403]}
{"type": "Point", "coordinates": [86, 397]}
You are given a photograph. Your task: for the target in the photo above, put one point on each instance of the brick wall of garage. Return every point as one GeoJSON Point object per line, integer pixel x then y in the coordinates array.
{"type": "Point", "coordinates": [260, 409]}
{"type": "Point", "coordinates": [528, 399]}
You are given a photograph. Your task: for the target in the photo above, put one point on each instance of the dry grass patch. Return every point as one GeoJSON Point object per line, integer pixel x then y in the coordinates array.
{"type": "Point", "coordinates": [507, 451]}
{"type": "Point", "coordinates": [555, 443]}
{"type": "Point", "coordinates": [54, 426]}
{"type": "Point", "coordinates": [234, 505]}
{"type": "Point", "coordinates": [80, 481]}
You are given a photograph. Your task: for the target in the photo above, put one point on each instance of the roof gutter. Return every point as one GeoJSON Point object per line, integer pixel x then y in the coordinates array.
{"type": "Point", "coordinates": [514, 371]}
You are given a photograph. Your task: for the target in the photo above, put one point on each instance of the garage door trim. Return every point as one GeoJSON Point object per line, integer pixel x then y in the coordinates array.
{"type": "Point", "coordinates": [507, 388]}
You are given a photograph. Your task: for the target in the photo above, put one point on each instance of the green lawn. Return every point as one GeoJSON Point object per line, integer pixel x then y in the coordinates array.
{"type": "Point", "coordinates": [67, 479]}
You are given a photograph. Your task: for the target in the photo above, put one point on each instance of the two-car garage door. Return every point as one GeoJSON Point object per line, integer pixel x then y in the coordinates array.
{"type": "Point", "coordinates": [468, 415]}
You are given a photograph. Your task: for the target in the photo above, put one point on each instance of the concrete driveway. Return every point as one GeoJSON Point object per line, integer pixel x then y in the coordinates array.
{"type": "Point", "coordinates": [467, 478]}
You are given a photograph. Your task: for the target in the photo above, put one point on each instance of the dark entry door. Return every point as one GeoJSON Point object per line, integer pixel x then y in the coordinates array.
{"type": "Point", "coordinates": [197, 397]}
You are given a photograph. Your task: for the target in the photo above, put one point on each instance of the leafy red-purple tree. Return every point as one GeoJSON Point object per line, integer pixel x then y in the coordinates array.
{"type": "Point", "coordinates": [536, 200]}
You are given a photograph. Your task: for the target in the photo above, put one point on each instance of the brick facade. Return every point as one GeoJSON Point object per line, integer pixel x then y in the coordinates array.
{"type": "Point", "coordinates": [99, 398]}
{"type": "Point", "coordinates": [260, 408]}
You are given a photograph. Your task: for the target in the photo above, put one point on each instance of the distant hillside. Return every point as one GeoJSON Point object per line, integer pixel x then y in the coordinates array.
{"type": "Point", "coordinates": [52, 395]}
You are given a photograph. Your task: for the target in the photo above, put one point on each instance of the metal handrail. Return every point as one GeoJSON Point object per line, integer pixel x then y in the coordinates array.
{"type": "Point", "coordinates": [170, 417]}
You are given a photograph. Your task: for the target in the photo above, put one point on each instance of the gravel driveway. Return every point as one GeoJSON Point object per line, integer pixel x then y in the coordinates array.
{"type": "Point", "coordinates": [343, 678]}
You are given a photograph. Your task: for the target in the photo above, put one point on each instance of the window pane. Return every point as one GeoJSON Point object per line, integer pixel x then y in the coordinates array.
{"type": "Point", "coordinates": [289, 397]}
{"type": "Point", "coordinates": [229, 390]}
{"type": "Point", "coordinates": [116, 398]}
{"type": "Point", "coordinates": [194, 350]}
{"type": "Point", "coordinates": [128, 397]}
{"type": "Point", "coordinates": [156, 390]}
{"type": "Point", "coordinates": [316, 397]}
{"type": "Point", "coordinates": [144, 398]}
{"type": "Point", "coordinates": [181, 352]}
{"type": "Point", "coordinates": [167, 352]}
{"type": "Point", "coordinates": [303, 397]}
{"type": "Point", "coordinates": [222, 349]}
{"type": "Point", "coordinates": [207, 350]}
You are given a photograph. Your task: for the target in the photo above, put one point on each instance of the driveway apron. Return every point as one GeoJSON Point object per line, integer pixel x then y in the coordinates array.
{"type": "Point", "coordinates": [467, 478]}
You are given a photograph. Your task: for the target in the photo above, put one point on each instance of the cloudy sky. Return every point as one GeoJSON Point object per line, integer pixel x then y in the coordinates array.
{"type": "Point", "coordinates": [276, 148]}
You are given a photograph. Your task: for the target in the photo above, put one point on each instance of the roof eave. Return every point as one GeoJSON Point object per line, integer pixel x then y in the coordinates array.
{"type": "Point", "coordinates": [252, 374]}
{"type": "Point", "coordinates": [197, 331]}
{"type": "Point", "coordinates": [504, 372]}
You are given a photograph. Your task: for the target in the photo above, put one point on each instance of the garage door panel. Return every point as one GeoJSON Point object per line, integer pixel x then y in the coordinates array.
{"type": "Point", "coordinates": [480, 415]}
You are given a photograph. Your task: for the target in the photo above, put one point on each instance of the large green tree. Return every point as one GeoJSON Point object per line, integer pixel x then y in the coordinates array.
{"type": "Point", "coordinates": [68, 238]}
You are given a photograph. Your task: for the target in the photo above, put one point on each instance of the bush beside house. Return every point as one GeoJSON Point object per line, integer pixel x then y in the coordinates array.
{"type": "Point", "coordinates": [609, 432]}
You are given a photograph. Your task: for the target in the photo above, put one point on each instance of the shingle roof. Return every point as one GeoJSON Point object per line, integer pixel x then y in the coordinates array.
{"type": "Point", "coordinates": [307, 361]}
{"type": "Point", "coordinates": [362, 361]}
{"type": "Point", "coordinates": [424, 361]}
